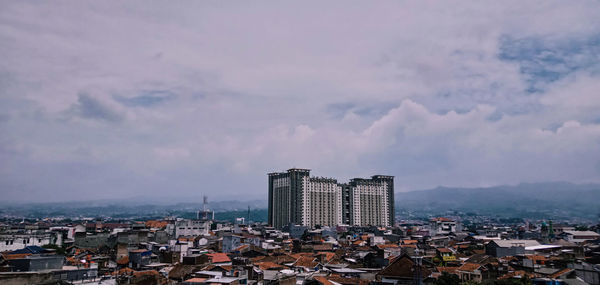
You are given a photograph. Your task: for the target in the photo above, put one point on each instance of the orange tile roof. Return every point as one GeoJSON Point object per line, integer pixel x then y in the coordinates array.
{"type": "Point", "coordinates": [470, 267]}
{"type": "Point", "coordinates": [196, 280]}
{"type": "Point", "coordinates": [301, 254]}
{"type": "Point", "coordinates": [520, 273]}
{"type": "Point", "coordinates": [146, 272]}
{"type": "Point", "coordinates": [138, 250]}
{"type": "Point", "coordinates": [305, 261]}
{"type": "Point", "coordinates": [328, 255]}
{"type": "Point", "coordinates": [156, 224]}
{"type": "Point", "coordinates": [441, 219]}
{"type": "Point", "coordinates": [323, 280]}
{"type": "Point", "coordinates": [242, 247]}
{"type": "Point", "coordinates": [258, 258]}
{"type": "Point", "coordinates": [345, 280]}
{"type": "Point", "coordinates": [15, 256]}
{"type": "Point", "coordinates": [562, 272]}
{"type": "Point", "coordinates": [267, 265]}
{"type": "Point", "coordinates": [409, 241]}
{"type": "Point", "coordinates": [448, 269]}
{"type": "Point", "coordinates": [219, 257]}
{"type": "Point", "coordinates": [123, 260]}
{"type": "Point", "coordinates": [536, 257]}
{"type": "Point", "coordinates": [123, 271]}
{"type": "Point", "coordinates": [388, 245]}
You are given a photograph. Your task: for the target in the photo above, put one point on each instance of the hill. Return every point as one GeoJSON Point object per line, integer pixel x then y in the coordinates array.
{"type": "Point", "coordinates": [531, 200]}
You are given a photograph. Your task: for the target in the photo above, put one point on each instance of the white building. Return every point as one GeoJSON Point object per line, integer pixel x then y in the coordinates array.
{"type": "Point", "coordinates": [322, 202]}
{"type": "Point", "coordinates": [10, 242]}
{"type": "Point", "coordinates": [580, 236]}
{"type": "Point", "coordinates": [184, 227]}
{"type": "Point", "coordinates": [297, 198]}
{"type": "Point", "coordinates": [370, 203]}
{"type": "Point", "coordinates": [443, 226]}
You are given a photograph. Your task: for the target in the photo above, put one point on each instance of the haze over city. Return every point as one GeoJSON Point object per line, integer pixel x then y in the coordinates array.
{"type": "Point", "coordinates": [105, 100]}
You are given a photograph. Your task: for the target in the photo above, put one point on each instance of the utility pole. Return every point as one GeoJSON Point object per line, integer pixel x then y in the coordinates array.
{"type": "Point", "coordinates": [418, 262]}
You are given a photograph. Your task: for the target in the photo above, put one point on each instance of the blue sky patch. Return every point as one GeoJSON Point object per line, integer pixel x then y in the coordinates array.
{"type": "Point", "coordinates": [543, 60]}
{"type": "Point", "coordinates": [146, 98]}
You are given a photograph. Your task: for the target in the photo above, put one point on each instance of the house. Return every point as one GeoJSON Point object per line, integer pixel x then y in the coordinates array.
{"type": "Point", "coordinates": [501, 248]}
{"type": "Point", "coordinates": [230, 243]}
{"type": "Point", "coordinates": [140, 257]}
{"type": "Point", "coordinates": [36, 262]}
{"type": "Point", "coordinates": [580, 236]}
{"type": "Point", "coordinates": [218, 258]}
{"type": "Point", "coordinates": [403, 270]}
{"type": "Point", "coordinates": [14, 242]}
{"type": "Point", "coordinates": [470, 272]}
{"type": "Point", "coordinates": [223, 280]}
{"type": "Point", "coordinates": [194, 228]}
{"type": "Point", "coordinates": [445, 254]}
{"type": "Point", "coordinates": [443, 226]}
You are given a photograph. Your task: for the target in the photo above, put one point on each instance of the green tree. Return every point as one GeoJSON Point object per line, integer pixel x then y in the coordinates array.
{"type": "Point", "coordinates": [447, 279]}
{"type": "Point", "coordinates": [59, 250]}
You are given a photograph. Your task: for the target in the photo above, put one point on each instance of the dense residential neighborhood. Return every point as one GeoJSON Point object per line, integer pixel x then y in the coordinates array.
{"type": "Point", "coordinates": [441, 250]}
{"type": "Point", "coordinates": [341, 142]}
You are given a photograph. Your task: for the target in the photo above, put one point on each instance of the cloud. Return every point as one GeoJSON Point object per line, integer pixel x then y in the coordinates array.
{"type": "Point", "coordinates": [202, 97]}
{"type": "Point", "coordinates": [544, 60]}
{"type": "Point", "coordinates": [90, 107]}
{"type": "Point", "coordinates": [146, 99]}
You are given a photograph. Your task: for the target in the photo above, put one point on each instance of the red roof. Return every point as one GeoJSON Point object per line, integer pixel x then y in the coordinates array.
{"type": "Point", "coordinates": [305, 261]}
{"type": "Point", "coordinates": [562, 272]}
{"type": "Point", "coordinates": [123, 260]}
{"type": "Point", "coordinates": [389, 245]}
{"type": "Point", "coordinates": [448, 269]}
{"type": "Point", "coordinates": [219, 257]}
{"type": "Point", "coordinates": [323, 280]}
{"type": "Point", "coordinates": [441, 219]}
{"type": "Point", "coordinates": [196, 280]}
{"type": "Point", "coordinates": [518, 273]}
{"type": "Point", "coordinates": [15, 256]}
{"type": "Point", "coordinates": [242, 247]}
{"type": "Point", "coordinates": [470, 267]}
{"type": "Point", "coordinates": [270, 265]}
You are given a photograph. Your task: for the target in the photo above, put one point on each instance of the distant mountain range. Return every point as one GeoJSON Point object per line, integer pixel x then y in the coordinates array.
{"type": "Point", "coordinates": [553, 200]}
{"type": "Point", "coordinates": [535, 200]}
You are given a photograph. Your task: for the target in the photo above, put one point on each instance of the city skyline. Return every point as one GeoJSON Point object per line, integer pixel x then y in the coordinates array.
{"type": "Point", "coordinates": [108, 100]}
{"type": "Point", "coordinates": [295, 197]}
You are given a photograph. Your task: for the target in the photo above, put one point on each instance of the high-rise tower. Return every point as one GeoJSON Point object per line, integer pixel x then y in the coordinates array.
{"type": "Point", "coordinates": [295, 197]}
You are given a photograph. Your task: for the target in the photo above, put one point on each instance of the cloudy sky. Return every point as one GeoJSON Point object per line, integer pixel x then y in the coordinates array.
{"type": "Point", "coordinates": [107, 99]}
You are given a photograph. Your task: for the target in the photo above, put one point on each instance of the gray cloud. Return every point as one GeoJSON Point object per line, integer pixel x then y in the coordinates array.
{"type": "Point", "coordinates": [146, 98]}
{"type": "Point", "coordinates": [90, 107]}
{"type": "Point", "coordinates": [201, 98]}
{"type": "Point", "coordinates": [544, 60]}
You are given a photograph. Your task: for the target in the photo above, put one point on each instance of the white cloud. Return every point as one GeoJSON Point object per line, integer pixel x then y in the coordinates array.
{"type": "Point", "coordinates": [405, 89]}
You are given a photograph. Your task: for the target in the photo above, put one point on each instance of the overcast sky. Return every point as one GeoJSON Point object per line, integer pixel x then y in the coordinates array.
{"type": "Point", "coordinates": [111, 99]}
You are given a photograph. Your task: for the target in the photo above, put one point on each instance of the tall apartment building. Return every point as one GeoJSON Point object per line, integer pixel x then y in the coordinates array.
{"type": "Point", "coordinates": [295, 197]}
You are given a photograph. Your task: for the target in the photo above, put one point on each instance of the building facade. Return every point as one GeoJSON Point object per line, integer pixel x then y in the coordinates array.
{"type": "Point", "coordinates": [297, 198]}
